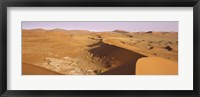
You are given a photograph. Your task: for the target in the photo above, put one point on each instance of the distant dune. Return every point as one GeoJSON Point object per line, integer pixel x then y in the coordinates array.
{"type": "Point", "coordinates": [120, 31]}
{"type": "Point", "coordinates": [58, 30]}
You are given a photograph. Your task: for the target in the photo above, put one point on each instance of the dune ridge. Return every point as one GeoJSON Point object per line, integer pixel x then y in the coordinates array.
{"type": "Point", "coordinates": [127, 59]}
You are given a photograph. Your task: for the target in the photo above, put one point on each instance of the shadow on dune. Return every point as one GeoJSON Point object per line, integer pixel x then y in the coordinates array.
{"type": "Point", "coordinates": [127, 59]}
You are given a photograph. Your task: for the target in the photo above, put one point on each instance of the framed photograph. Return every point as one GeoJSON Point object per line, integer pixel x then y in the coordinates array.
{"type": "Point", "coordinates": [81, 48]}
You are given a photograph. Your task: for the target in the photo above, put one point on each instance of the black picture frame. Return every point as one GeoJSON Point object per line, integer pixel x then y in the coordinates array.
{"type": "Point", "coordinates": [99, 3]}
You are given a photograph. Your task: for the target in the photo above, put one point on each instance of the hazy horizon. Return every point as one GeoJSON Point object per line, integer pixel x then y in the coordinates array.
{"type": "Point", "coordinates": [131, 26]}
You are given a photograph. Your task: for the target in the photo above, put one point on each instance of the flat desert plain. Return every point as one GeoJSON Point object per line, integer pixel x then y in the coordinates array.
{"type": "Point", "coordinates": [82, 52]}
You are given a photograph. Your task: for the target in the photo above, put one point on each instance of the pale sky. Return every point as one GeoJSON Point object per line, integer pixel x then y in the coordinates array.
{"type": "Point", "coordinates": [132, 26]}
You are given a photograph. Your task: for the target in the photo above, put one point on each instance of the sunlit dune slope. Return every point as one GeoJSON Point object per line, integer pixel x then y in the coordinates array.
{"type": "Point", "coordinates": [156, 66]}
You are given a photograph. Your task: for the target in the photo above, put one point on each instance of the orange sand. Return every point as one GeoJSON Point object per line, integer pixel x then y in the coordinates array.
{"type": "Point", "coordinates": [156, 66]}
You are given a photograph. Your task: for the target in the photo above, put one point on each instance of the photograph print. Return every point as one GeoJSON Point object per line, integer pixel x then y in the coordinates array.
{"type": "Point", "coordinates": [99, 47]}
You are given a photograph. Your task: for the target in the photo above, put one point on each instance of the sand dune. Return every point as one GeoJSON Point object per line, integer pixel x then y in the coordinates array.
{"type": "Point", "coordinates": [131, 63]}
{"type": "Point", "coordinates": [126, 59]}
{"type": "Point", "coordinates": [156, 66]}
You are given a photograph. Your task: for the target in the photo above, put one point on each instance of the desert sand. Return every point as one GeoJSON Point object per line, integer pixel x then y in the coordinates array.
{"type": "Point", "coordinates": [82, 52]}
{"type": "Point", "coordinates": [153, 66]}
